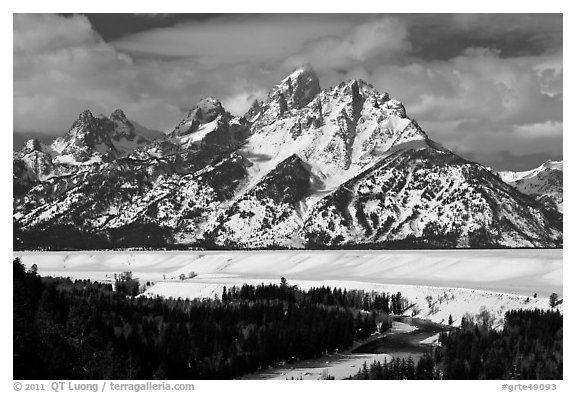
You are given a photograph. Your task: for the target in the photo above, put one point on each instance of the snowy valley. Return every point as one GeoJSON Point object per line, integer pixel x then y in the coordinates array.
{"type": "Point", "coordinates": [439, 283]}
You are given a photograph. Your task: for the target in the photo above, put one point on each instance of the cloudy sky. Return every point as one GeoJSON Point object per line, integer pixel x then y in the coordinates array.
{"type": "Point", "coordinates": [487, 86]}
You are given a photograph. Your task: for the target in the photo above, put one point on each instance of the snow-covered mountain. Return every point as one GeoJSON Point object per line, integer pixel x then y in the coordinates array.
{"type": "Point", "coordinates": [305, 167]}
{"type": "Point", "coordinates": [544, 183]}
{"type": "Point", "coordinates": [90, 140]}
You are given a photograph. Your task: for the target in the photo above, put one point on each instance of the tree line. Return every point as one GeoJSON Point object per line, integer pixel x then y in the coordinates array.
{"type": "Point", "coordinates": [354, 298]}
{"type": "Point", "coordinates": [66, 329]}
{"type": "Point", "coordinates": [528, 347]}
{"type": "Point", "coordinates": [398, 369]}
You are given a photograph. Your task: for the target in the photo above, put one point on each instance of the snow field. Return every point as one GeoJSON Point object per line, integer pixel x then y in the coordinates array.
{"type": "Point", "coordinates": [438, 283]}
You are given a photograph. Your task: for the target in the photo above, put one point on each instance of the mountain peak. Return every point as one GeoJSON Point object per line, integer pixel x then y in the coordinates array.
{"type": "Point", "coordinates": [86, 115]}
{"type": "Point", "coordinates": [123, 128]}
{"type": "Point", "coordinates": [205, 111]}
{"type": "Point", "coordinates": [305, 69]}
{"type": "Point", "coordinates": [32, 145]}
{"type": "Point", "coordinates": [86, 123]}
{"type": "Point", "coordinates": [300, 87]}
{"type": "Point", "coordinates": [344, 166]}
{"type": "Point", "coordinates": [118, 114]}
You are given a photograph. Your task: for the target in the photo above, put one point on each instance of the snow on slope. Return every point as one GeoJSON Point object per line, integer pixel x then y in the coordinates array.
{"type": "Point", "coordinates": [545, 183]}
{"type": "Point", "coordinates": [431, 194]}
{"type": "Point", "coordinates": [187, 140]}
{"type": "Point", "coordinates": [351, 142]}
{"type": "Point", "coordinates": [446, 301]}
{"type": "Point", "coordinates": [205, 111]}
{"type": "Point", "coordinates": [337, 133]}
{"type": "Point", "coordinates": [510, 176]}
{"type": "Point", "coordinates": [458, 281]}
{"type": "Point", "coordinates": [90, 140]}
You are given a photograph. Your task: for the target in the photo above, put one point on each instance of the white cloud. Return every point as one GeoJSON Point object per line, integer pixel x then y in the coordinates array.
{"type": "Point", "coordinates": [240, 102]}
{"type": "Point", "coordinates": [62, 67]}
{"type": "Point", "coordinates": [483, 103]}
{"type": "Point", "coordinates": [547, 129]}
{"type": "Point", "coordinates": [383, 38]}
{"type": "Point", "coordinates": [235, 39]}
{"type": "Point", "coordinates": [49, 32]}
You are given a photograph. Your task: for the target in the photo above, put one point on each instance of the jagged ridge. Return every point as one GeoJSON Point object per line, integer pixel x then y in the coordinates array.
{"type": "Point", "coordinates": [305, 167]}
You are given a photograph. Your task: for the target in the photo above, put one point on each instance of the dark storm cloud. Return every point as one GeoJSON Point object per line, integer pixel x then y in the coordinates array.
{"type": "Point", "coordinates": [114, 26]}
{"type": "Point", "coordinates": [442, 36]}
{"type": "Point", "coordinates": [488, 86]}
{"type": "Point", "coordinates": [510, 162]}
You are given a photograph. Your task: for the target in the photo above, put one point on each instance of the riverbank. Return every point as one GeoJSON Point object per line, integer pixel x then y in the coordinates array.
{"type": "Point", "coordinates": [407, 337]}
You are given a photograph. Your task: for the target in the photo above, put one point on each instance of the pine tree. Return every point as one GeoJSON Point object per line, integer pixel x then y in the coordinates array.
{"type": "Point", "coordinates": [410, 369]}
{"type": "Point", "coordinates": [553, 300]}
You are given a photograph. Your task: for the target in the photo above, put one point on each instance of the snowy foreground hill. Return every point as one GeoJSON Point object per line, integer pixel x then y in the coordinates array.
{"type": "Point", "coordinates": [439, 283]}
{"type": "Point", "coordinates": [304, 168]}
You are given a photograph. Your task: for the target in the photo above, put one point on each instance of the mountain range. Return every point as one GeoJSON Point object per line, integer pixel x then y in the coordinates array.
{"type": "Point", "coordinates": [342, 167]}
{"type": "Point", "coordinates": [543, 183]}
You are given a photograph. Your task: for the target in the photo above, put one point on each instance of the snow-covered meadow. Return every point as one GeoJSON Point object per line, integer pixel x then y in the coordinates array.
{"type": "Point", "coordinates": [439, 282]}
